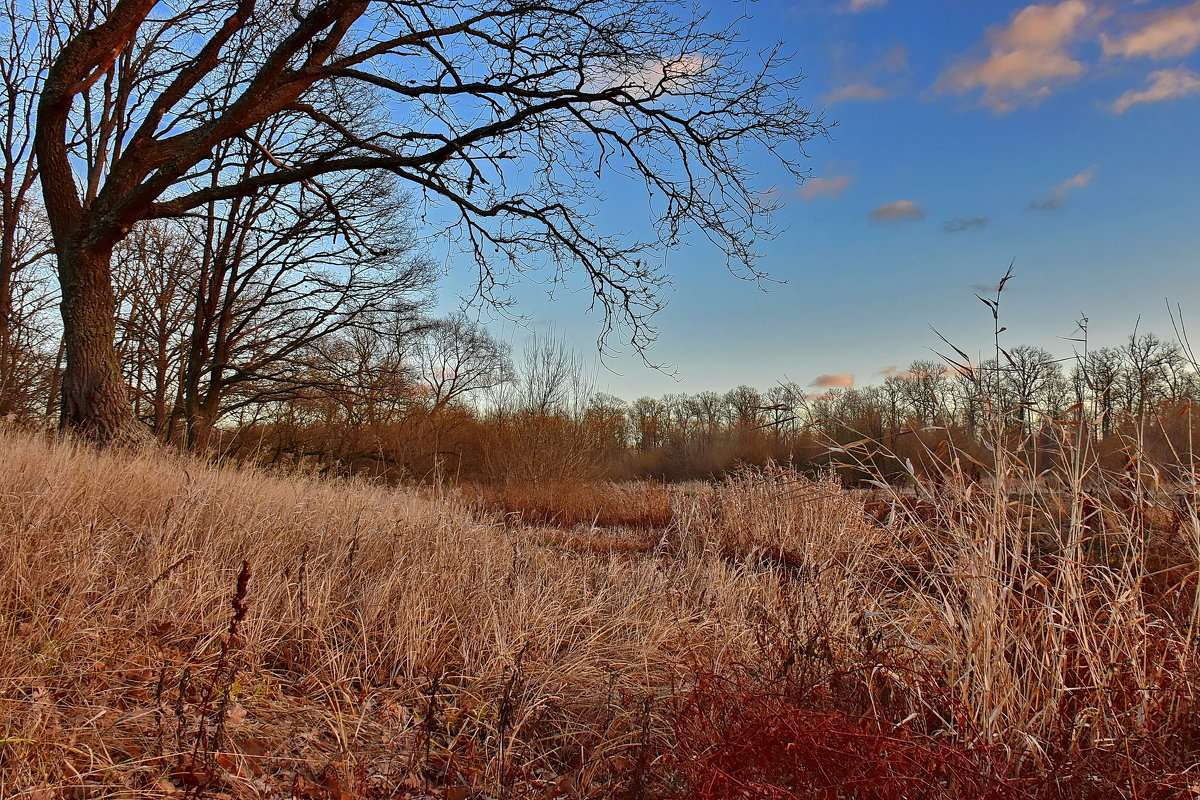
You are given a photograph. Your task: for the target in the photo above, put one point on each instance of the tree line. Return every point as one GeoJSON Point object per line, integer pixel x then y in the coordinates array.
{"type": "Point", "coordinates": [1131, 403]}
{"type": "Point", "coordinates": [541, 420]}
{"type": "Point", "coordinates": [257, 358]}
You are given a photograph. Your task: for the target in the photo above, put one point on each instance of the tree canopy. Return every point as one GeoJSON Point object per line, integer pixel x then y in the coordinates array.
{"type": "Point", "coordinates": [507, 115]}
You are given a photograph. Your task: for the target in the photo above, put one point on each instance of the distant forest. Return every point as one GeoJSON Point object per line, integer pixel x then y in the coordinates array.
{"type": "Point", "coordinates": [342, 377]}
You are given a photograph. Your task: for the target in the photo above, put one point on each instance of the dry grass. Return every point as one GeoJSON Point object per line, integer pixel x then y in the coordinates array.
{"type": "Point", "coordinates": [772, 640]}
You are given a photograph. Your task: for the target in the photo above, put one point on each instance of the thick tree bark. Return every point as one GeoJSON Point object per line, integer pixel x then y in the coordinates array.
{"type": "Point", "coordinates": [95, 400]}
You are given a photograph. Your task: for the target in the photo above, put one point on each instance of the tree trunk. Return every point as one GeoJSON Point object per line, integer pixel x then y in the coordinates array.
{"type": "Point", "coordinates": [201, 425]}
{"type": "Point", "coordinates": [95, 402]}
{"type": "Point", "coordinates": [8, 377]}
{"type": "Point", "coordinates": [55, 381]}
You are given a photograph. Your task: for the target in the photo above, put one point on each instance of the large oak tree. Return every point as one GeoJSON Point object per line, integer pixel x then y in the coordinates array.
{"type": "Point", "coordinates": [506, 116]}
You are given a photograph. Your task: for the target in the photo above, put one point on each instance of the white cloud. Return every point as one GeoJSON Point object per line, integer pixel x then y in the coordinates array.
{"type": "Point", "coordinates": [899, 211]}
{"type": "Point", "coordinates": [833, 187]}
{"type": "Point", "coordinates": [676, 75]}
{"type": "Point", "coordinates": [1056, 198]}
{"type": "Point", "coordinates": [668, 76]}
{"type": "Point", "coordinates": [1026, 59]}
{"type": "Point", "coordinates": [1165, 84]}
{"type": "Point", "coordinates": [1170, 33]}
{"type": "Point", "coordinates": [858, 6]}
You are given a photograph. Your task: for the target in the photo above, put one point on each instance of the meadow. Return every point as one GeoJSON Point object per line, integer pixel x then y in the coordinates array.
{"type": "Point", "coordinates": [283, 515]}
{"type": "Point", "coordinates": [172, 628]}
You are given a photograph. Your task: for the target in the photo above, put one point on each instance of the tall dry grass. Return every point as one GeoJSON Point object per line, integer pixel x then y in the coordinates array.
{"type": "Point", "coordinates": [775, 639]}
{"type": "Point", "coordinates": [366, 607]}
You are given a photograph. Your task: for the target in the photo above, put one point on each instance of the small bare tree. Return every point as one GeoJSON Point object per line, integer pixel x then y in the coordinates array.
{"type": "Point", "coordinates": [455, 357]}
{"type": "Point", "coordinates": [154, 280]}
{"type": "Point", "coordinates": [284, 272]}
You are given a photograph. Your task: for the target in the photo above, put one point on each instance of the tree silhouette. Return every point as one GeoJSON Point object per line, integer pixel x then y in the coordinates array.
{"type": "Point", "coordinates": [504, 115]}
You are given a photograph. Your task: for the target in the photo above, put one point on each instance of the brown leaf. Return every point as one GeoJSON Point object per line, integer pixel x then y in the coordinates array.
{"type": "Point", "coordinates": [565, 785]}
{"type": "Point", "coordinates": [227, 761]}
{"type": "Point", "coordinates": [252, 746]}
{"type": "Point", "coordinates": [235, 716]}
{"type": "Point", "coordinates": [160, 628]}
{"type": "Point", "coordinates": [303, 787]}
{"type": "Point", "coordinates": [191, 774]}
{"type": "Point", "coordinates": [164, 786]}
{"type": "Point", "coordinates": [333, 784]}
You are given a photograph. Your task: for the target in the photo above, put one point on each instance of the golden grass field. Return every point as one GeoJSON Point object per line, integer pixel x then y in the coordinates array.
{"type": "Point", "coordinates": [767, 636]}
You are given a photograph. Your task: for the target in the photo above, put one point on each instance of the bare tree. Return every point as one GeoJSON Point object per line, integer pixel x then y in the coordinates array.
{"type": "Point", "coordinates": [607, 423]}
{"type": "Point", "coordinates": [1028, 382]}
{"type": "Point", "coordinates": [283, 272]}
{"type": "Point", "coordinates": [501, 113]}
{"type": "Point", "coordinates": [365, 371]}
{"type": "Point", "coordinates": [744, 405]}
{"type": "Point", "coordinates": [455, 357]}
{"type": "Point", "coordinates": [29, 374]}
{"type": "Point", "coordinates": [249, 305]}
{"type": "Point", "coordinates": [551, 378]}
{"type": "Point", "coordinates": [154, 280]}
{"type": "Point", "coordinates": [1097, 384]}
{"type": "Point", "coordinates": [1147, 365]}
{"type": "Point", "coordinates": [925, 385]}
{"type": "Point", "coordinates": [708, 408]}
{"type": "Point", "coordinates": [24, 236]}
{"type": "Point", "coordinates": [648, 418]}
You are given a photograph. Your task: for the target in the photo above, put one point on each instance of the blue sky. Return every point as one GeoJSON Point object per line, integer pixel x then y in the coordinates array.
{"type": "Point", "coordinates": [1061, 137]}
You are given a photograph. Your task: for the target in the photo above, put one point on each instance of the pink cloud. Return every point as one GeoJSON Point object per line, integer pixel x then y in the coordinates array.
{"type": "Point", "coordinates": [876, 79]}
{"type": "Point", "coordinates": [833, 187]}
{"type": "Point", "coordinates": [899, 211]}
{"type": "Point", "coordinates": [856, 91]}
{"type": "Point", "coordinates": [1026, 59]}
{"type": "Point", "coordinates": [1165, 84]}
{"type": "Point", "coordinates": [842, 380]}
{"type": "Point", "coordinates": [1170, 33]}
{"type": "Point", "coordinates": [1059, 195]}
